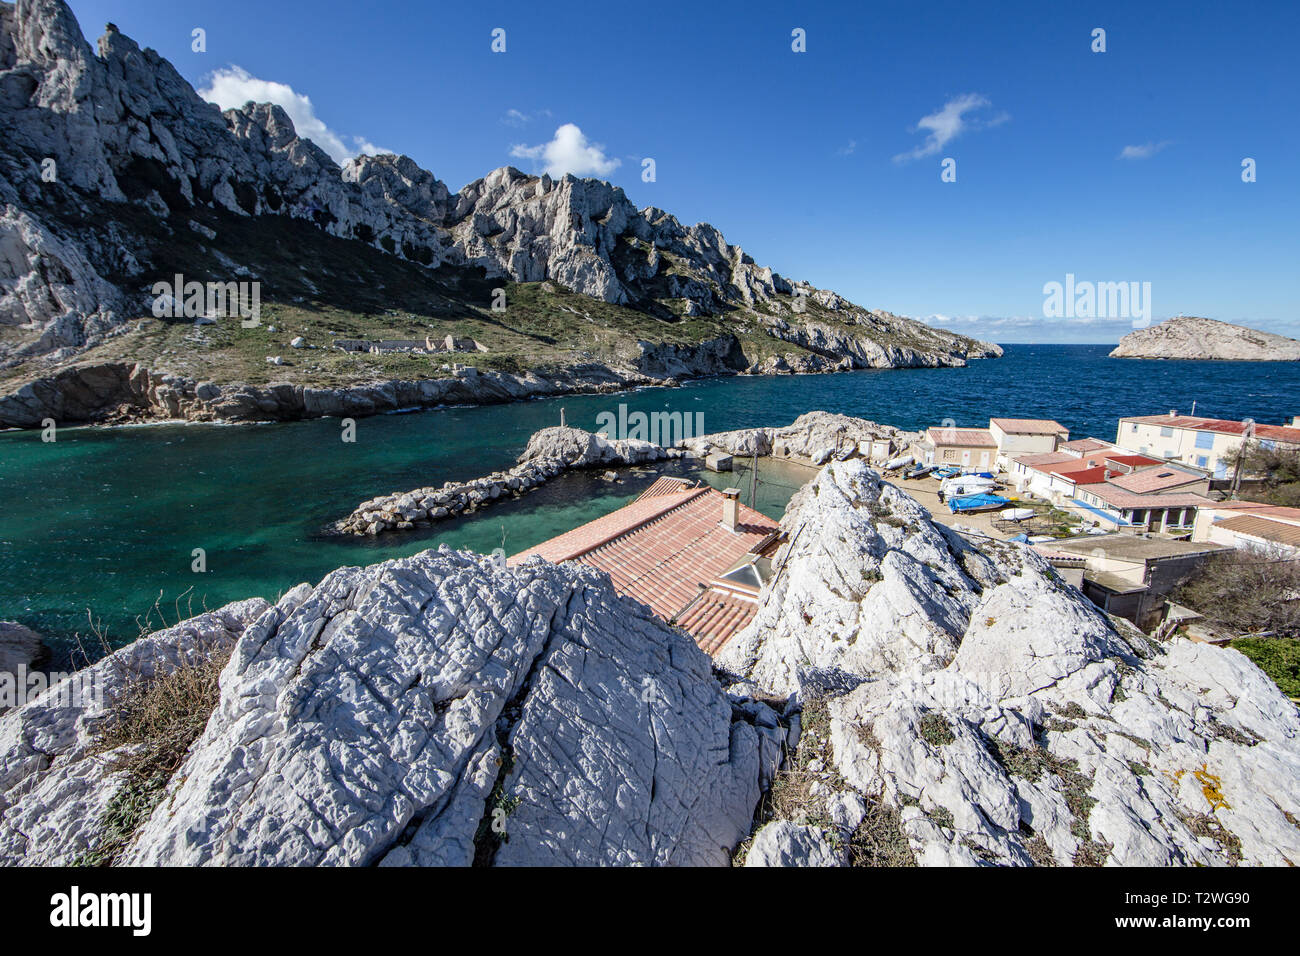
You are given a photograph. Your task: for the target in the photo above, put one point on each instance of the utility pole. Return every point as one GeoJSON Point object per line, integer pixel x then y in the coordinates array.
{"type": "Point", "coordinates": [561, 417]}
{"type": "Point", "coordinates": [753, 481]}
{"type": "Point", "coordinates": [1247, 433]}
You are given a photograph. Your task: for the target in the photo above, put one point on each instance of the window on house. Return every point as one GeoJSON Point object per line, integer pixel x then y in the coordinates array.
{"type": "Point", "coordinates": [1166, 432]}
{"type": "Point", "coordinates": [1202, 461]}
{"type": "Point", "coordinates": [1205, 439]}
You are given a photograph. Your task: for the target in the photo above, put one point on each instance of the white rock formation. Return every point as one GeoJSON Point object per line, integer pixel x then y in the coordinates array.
{"type": "Point", "coordinates": [18, 645]}
{"type": "Point", "coordinates": [1001, 714]}
{"type": "Point", "coordinates": [432, 710]}
{"type": "Point", "coordinates": [814, 436]}
{"type": "Point", "coordinates": [54, 784]}
{"type": "Point", "coordinates": [1189, 337]}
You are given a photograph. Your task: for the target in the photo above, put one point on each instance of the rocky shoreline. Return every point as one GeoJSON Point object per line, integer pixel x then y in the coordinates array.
{"type": "Point", "coordinates": [123, 393]}
{"type": "Point", "coordinates": [814, 438]}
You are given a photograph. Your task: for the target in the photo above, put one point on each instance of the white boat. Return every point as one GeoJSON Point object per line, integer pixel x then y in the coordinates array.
{"type": "Point", "coordinates": [898, 462]}
{"type": "Point", "coordinates": [1016, 514]}
{"type": "Point", "coordinates": [965, 485]}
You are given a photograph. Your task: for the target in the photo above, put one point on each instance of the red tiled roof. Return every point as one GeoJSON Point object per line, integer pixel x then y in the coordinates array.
{"type": "Point", "coordinates": [1221, 425]}
{"type": "Point", "coordinates": [1263, 528]}
{"type": "Point", "coordinates": [1029, 426]}
{"type": "Point", "coordinates": [1083, 476]}
{"type": "Point", "coordinates": [1154, 479]}
{"type": "Point", "coordinates": [663, 549]}
{"type": "Point", "coordinates": [718, 614]}
{"type": "Point", "coordinates": [968, 437]}
{"type": "Point", "coordinates": [665, 484]}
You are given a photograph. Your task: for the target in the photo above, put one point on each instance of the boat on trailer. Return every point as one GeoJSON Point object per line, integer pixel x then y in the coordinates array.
{"type": "Point", "coordinates": [968, 504]}
{"type": "Point", "coordinates": [920, 471]}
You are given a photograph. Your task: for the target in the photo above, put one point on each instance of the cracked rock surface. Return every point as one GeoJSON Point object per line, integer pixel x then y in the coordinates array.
{"type": "Point", "coordinates": [440, 710]}
{"type": "Point", "coordinates": [996, 713]}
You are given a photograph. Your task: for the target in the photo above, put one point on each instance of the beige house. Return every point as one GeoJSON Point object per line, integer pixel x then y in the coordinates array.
{"type": "Point", "coordinates": [1132, 576]}
{"type": "Point", "coordinates": [1250, 526]}
{"type": "Point", "coordinates": [970, 448]}
{"type": "Point", "coordinates": [1207, 443]}
{"type": "Point", "coordinates": [1026, 436]}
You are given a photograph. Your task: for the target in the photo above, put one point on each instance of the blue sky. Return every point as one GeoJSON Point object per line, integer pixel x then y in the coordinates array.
{"type": "Point", "coordinates": [822, 164]}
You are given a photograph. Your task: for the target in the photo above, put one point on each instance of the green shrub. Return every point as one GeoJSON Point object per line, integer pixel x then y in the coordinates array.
{"type": "Point", "coordinates": [1278, 657]}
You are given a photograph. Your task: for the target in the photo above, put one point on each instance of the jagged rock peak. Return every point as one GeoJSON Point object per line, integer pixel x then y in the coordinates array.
{"type": "Point", "coordinates": [963, 705]}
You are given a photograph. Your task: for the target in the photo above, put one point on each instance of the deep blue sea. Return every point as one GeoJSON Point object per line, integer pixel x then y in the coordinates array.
{"type": "Point", "coordinates": [103, 522]}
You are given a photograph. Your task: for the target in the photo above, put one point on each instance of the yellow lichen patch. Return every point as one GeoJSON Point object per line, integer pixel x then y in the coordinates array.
{"type": "Point", "coordinates": [1211, 786]}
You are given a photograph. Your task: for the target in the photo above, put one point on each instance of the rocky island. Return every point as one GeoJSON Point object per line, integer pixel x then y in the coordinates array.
{"type": "Point", "coordinates": [1188, 337]}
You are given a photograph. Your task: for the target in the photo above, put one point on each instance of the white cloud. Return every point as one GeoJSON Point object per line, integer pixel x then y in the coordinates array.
{"type": "Point", "coordinates": [847, 150]}
{"type": "Point", "coordinates": [949, 122]}
{"type": "Point", "coordinates": [569, 152]}
{"type": "Point", "coordinates": [519, 118]}
{"type": "Point", "coordinates": [1145, 151]}
{"type": "Point", "coordinates": [233, 86]}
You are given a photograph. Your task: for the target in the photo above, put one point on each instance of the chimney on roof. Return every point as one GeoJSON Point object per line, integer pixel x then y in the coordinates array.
{"type": "Point", "coordinates": [1173, 413]}
{"type": "Point", "coordinates": [730, 508]}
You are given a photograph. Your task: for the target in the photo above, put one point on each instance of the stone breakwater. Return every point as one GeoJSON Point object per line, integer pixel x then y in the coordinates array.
{"type": "Point", "coordinates": [814, 437]}
{"type": "Point", "coordinates": [550, 452]}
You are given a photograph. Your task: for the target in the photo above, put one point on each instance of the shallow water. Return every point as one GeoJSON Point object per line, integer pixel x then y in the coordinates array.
{"type": "Point", "coordinates": [106, 520]}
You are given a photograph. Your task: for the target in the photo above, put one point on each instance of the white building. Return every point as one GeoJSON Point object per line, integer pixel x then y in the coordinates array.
{"type": "Point", "coordinates": [1207, 443]}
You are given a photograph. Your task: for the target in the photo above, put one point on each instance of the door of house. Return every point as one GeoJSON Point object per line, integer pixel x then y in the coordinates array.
{"type": "Point", "coordinates": [965, 457]}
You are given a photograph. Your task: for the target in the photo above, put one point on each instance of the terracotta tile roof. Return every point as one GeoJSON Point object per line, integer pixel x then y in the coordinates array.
{"type": "Point", "coordinates": [1120, 498]}
{"type": "Point", "coordinates": [968, 437]}
{"type": "Point", "coordinates": [1275, 531]}
{"type": "Point", "coordinates": [1221, 425]}
{"type": "Point", "coordinates": [1154, 479]}
{"type": "Point", "coordinates": [665, 484]}
{"type": "Point", "coordinates": [663, 550]}
{"type": "Point", "coordinates": [717, 615]}
{"type": "Point", "coordinates": [1084, 475]}
{"type": "Point", "coordinates": [1029, 426]}
{"type": "Point", "coordinates": [1087, 444]}
{"type": "Point", "coordinates": [1279, 512]}
{"type": "Point", "coordinates": [1134, 460]}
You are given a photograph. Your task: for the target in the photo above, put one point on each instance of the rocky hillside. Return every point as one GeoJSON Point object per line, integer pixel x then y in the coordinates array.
{"type": "Point", "coordinates": [963, 705]}
{"type": "Point", "coordinates": [436, 710]}
{"type": "Point", "coordinates": [1187, 337]}
{"type": "Point", "coordinates": [114, 174]}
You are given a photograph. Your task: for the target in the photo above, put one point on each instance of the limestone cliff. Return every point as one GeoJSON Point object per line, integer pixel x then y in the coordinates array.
{"type": "Point", "coordinates": [115, 174]}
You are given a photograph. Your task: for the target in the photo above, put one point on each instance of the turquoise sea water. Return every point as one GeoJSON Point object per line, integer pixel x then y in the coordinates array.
{"type": "Point", "coordinates": [104, 520]}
